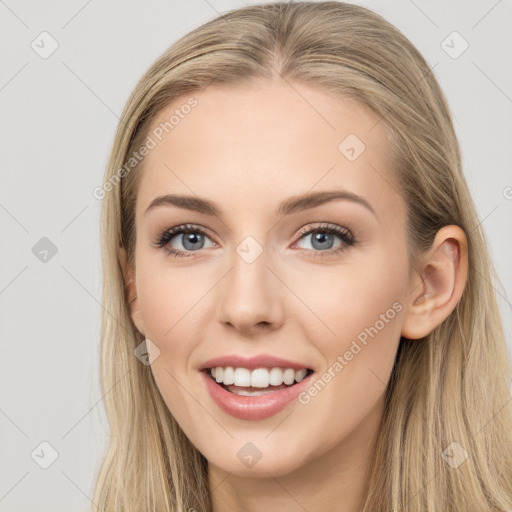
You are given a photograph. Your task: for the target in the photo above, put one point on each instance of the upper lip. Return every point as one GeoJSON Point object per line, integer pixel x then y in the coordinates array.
{"type": "Point", "coordinates": [251, 363]}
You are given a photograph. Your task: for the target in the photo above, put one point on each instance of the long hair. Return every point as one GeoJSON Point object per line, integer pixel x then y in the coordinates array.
{"type": "Point", "coordinates": [448, 397]}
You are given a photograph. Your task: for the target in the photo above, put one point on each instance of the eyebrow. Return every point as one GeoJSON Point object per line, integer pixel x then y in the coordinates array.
{"type": "Point", "coordinates": [291, 205]}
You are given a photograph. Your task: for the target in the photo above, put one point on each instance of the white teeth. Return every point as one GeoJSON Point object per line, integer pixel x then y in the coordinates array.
{"type": "Point", "coordinates": [229, 376]}
{"type": "Point", "coordinates": [243, 392]}
{"type": "Point", "coordinates": [299, 375]}
{"type": "Point", "coordinates": [242, 377]}
{"type": "Point", "coordinates": [276, 376]}
{"type": "Point", "coordinates": [258, 378]}
{"type": "Point", "coordinates": [289, 376]}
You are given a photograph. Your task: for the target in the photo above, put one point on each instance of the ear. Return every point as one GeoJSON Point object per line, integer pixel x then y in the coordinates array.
{"type": "Point", "coordinates": [441, 281]}
{"type": "Point", "coordinates": [131, 299]}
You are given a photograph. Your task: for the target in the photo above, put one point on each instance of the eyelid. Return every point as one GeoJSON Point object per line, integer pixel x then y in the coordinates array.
{"type": "Point", "coordinates": [329, 227]}
{"type": "Point", "coordinates": [342, 232]}
{"type": "Point", "coordinates": [180, 229]}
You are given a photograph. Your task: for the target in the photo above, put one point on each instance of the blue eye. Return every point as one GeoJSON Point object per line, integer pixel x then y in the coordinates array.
{"type": "Point", "coordinates": [193, 239]}
{"type": "Point", "coordinates": [323, 237]}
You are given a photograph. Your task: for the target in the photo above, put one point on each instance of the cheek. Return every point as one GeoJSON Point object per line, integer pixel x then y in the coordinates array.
{"type": "Point", "coordinates": [361, 307]}
{"type": "Point", "coordinates": [170, 299]}
{"type": "Point", "coordinates": [170, 303]}
{"type": "Point", "coordinates": [349, 298]}
{"type": "Point", "coordinates": [362, 310]}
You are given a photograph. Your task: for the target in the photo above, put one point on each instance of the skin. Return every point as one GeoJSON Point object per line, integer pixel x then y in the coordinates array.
{"type": "Point", "coordinates": [247, 149]}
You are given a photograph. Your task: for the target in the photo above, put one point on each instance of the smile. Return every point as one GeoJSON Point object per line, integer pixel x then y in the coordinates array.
{"type": "Point", "coordinates": [254, 394]}
{"type": "Point", "coordinates": [241, 380]}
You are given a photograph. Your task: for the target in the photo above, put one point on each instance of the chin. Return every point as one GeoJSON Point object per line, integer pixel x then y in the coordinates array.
{"type": "Point", "coordinates": [261, 469]}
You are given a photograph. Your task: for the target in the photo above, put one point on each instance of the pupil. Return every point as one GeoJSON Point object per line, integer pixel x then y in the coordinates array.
{"type": "Point", "coordinates": [322, 238]}
{"type": "Point", "coordinates": [191, 238]}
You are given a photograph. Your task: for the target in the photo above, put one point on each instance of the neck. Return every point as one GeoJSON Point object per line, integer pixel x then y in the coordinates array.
{"type": "Point", "coordinates": [337, 479]}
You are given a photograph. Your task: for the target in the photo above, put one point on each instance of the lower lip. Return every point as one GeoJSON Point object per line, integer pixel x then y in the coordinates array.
{"type": "Point", "coordinates": [253, 407]}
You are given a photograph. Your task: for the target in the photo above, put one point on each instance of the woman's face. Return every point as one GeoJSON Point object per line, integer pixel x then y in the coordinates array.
{"type": "Point", "coordinates": [267, 279]}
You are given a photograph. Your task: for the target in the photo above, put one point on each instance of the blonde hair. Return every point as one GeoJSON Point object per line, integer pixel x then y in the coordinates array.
{"type": "Point", "coordinates": [450, 387]}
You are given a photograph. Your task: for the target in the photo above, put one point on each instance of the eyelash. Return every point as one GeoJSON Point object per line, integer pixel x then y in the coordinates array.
{"type": "Point", "coordinates": [343, 233]}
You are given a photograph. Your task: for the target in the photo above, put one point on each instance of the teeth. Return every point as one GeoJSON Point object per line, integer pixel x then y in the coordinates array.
{"type": "Point", "coordinates": [229, 376]}
{"type": "Point", "coordinates": [300, 374]}
{"type": "Point", "coordinates": [258, 378]}
{"type": "Point", "coordinates": [276, 376]}
{"type": "Point", "coordinates": [289, 376]}
{"type": "Point", "coordinates": [242, 377]}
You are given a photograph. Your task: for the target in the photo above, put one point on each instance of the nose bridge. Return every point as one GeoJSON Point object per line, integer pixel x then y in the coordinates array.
{"type": "Point", "coordinates": [250, 293]}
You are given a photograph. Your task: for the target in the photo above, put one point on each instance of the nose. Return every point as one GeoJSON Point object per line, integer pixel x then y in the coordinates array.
{"type": "Point", "coordinates": [250, 297]}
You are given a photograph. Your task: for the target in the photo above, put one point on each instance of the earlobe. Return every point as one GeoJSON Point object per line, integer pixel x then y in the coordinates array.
{"type": "Point", "coordinates": [442, 280]}
{"type": "Point", "coordinates": [130, 290]}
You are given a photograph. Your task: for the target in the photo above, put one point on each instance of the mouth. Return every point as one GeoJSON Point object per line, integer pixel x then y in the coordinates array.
{"type": "Point", "coordinates": [256, 382]}
{"type": "Point", "coordinates": [258, 392]}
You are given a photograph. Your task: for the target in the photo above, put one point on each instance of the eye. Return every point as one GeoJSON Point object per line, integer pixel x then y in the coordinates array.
{"type": "Point", "coordinates": [323, 238]}
{"type": "Point", "coordinates": [189, 236]}
{"type": "Point", "coordinates": [192, 238]}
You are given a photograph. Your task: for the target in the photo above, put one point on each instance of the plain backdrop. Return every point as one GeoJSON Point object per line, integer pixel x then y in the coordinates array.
{"type": "Point", "coordinates": [57, 121]}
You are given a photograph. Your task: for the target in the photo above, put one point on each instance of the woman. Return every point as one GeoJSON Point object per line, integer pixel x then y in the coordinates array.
{"type": "Point", "coordinates": [299, 311]}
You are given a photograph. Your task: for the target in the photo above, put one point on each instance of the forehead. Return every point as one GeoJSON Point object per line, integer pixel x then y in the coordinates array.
{"type": "Point", "coordinates": [264, 142]}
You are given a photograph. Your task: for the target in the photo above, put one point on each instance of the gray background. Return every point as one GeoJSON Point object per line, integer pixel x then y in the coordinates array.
{"type": "Point", "coordinates": [57, 121]}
